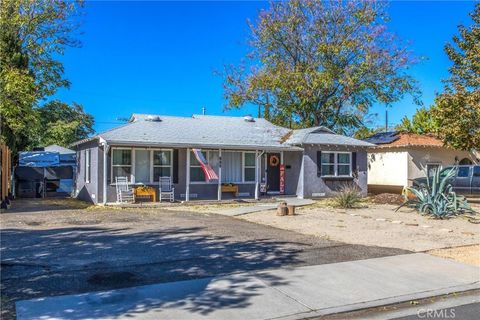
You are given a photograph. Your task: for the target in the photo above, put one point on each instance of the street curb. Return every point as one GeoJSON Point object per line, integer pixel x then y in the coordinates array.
{"type": "Point", "coordinates": [381, 302]}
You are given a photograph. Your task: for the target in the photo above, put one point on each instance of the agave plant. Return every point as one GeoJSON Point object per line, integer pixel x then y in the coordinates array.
{"type": "Point", "coordinates": [437, 197]}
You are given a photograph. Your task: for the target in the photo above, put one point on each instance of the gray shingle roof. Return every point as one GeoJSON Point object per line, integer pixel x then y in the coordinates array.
{"type": "Point", "coordinates": [198, 130]}
{"type": "Point", "coordinates": [323, 136]}
{"type": "Point", "coordinates": [218, 132]}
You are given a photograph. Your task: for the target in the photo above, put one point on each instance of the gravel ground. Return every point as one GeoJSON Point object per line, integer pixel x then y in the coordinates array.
{"type": "Point", "coordinates": [60, 247]}
{"type": "Point", "coordinates": [375, 225]}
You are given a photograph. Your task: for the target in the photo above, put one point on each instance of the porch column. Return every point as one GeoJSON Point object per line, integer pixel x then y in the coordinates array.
{"type": "Point", "coordinates": [281, 164]}
{"type": "Point", "coordinates": [187, 185]}
{"type": "Point", "coordinates": [257, 183]}
{"type": "Point", "coordinates": [105, 172]}
{"type": "Point", "coordinates": [219, 196]}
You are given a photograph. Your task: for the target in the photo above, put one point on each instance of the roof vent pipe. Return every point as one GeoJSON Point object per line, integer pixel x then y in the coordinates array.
{"type": "Point", "coordinates": [204, 110]}
{"type": "Point", "coordinates": [153, 118]}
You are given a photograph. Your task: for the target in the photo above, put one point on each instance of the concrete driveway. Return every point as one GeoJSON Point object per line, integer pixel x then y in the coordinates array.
{"type": "Point", "coordinates": [56, 252]}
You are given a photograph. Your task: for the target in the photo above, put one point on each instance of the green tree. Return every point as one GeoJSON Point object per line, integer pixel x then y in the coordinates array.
{"type": "Point", "coordinates": [366, 132]}
{"type": "Point", "coordinates": [422, 123]}
{"type": "Point", "coordinates": [63, 124]}
{"type": "Point", "coordinates": [321, 63]}
{"type": "Point", "coordinates": [457, 110]}
{"type": "Point", "coordinates": [457, 113]}
{"type": "Point", "coordinates": [33, 34]}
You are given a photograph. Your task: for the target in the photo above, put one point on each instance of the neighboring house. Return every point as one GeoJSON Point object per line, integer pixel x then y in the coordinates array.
{"type": "Point", "coordinates": [44, 172]}
{"type": "Point", "coordinates": [249, 152]}
{"type": "Point", "coordinates": [399, 158]}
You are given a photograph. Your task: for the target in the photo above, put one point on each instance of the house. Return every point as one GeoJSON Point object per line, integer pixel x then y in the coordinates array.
{"type": "Point", "coordinates": [248, 152]}
{"type": "Point", "coordinates": [45, 171]}
{"type": "Point", "coordinates": [398, 158]}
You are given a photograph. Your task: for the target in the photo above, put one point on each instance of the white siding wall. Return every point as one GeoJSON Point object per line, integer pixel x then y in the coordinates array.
{"type": "Point", "coordinates": [388, 168]}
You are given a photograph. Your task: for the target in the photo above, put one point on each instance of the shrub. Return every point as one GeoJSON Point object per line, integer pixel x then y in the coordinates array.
{"type": "Point", "coordinates": [437, 198]}
{"type": "Point", "coordinates": [348, 196]}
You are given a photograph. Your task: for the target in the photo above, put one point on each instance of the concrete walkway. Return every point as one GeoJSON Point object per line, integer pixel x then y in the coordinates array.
{"type": "Point", "coordinates": [294, 293]}
{"type": "Point", "coordinates": [262, 207]}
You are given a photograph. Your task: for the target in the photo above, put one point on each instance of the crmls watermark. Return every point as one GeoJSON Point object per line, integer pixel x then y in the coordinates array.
{"type": "Point", "coordinates": [436, 314]}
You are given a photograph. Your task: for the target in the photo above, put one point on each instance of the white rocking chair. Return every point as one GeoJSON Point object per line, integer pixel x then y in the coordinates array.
{"type": "Point", "coordinates": [166, 189]}
{"type": "Point", "coordinates": [124, 190]}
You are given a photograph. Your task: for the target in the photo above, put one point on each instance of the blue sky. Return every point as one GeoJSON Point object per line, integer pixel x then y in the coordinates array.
{"type": "Point", "coordinates": [160, 57]}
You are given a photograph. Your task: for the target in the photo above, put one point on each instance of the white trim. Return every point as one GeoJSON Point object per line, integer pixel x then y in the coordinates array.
{"type": "Point", "coordinates": [336, 164]}
{"type": "Point", "coordinates": [258, 159]}
{"type": "Point", "coordinates": [88, 165]}
{"type": "Point", "coordinates": [132, 172]}
{"type": "Point", "coordinates": [187, 174]}
{"type": "Point", "coordinates": [105, 172]}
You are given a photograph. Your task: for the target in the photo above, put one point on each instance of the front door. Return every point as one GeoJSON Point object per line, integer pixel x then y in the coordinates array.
{"type": "Point", "coordinates": [273, 172]}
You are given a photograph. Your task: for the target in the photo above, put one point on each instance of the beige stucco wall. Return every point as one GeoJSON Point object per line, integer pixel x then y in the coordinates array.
{"type": "Point", "coordinates": [420, 157]}
{"type": "Point", "coordinates": [388, 168]}
{"type": "Point", "coordinates": [397, 167]}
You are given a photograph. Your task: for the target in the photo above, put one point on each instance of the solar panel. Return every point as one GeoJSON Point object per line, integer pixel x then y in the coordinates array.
{"type": "Point", "coordinates": [383, 137]}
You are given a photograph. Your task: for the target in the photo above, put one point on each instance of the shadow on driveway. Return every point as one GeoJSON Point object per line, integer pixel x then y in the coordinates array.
{"type": "Point", "coordinates": [59, 261]}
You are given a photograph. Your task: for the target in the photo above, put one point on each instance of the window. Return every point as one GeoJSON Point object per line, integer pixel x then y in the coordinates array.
{"type": "Point", "coordinates": [232, 166]}
{"type": "Point", "coordinates": [465, 161]}
{"type": "Point", "coordinates": [249, 167]}
{"type": "Point", "coordinates": [196, 171]}
{"type": "Point", "coordinates": [162, 164]}
{"type": "Point", "coordinates": [121, 163]}
{"type": "Point", "coordinates": [463, 172]}
{"type": "Point", "coordinates": [476, 171]}
{"type": "Point", "coordinates": [336, 164]}
{"type": "Point", "coordinates": [88, 165]}
{"type": "Point", "coordinates": [142, 165]}
{"type": "Point", "coordinates": [431, 169]}
{"type": "Point", "coordinates": [237, 166]}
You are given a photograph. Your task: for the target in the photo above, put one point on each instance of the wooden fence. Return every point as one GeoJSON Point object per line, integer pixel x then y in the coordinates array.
{"type": "Point", "coordinates": [5, 173]}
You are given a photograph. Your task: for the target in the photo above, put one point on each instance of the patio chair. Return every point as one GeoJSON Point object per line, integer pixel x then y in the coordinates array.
{"type": "Point", "coordinates": [124, 190]}
{"type": "Point", "coordinates": [166, 189]}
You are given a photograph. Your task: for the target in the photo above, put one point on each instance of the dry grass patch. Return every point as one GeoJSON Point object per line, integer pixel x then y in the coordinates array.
{"type": "Point", "coordinates": [464, 254]}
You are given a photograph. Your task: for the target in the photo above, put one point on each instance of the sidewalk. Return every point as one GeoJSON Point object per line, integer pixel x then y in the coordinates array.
{"type": "Point", "coordinates": [293, 293]}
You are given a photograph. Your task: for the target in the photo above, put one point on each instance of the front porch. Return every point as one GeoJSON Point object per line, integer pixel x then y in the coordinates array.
{"type": "Point", "coordinates": [244, 175]}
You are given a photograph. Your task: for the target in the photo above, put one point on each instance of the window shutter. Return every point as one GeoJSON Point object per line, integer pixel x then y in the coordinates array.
{"type": "Point", "coordinates": [354, 163]}
{"type": "Point", "coordinates": [319, 163]}
{"type": "Point", "coordinates": [175, 165]}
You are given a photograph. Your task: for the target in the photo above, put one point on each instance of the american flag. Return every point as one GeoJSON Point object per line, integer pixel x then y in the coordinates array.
{"type": "Point", "coordinates": [209, 172]}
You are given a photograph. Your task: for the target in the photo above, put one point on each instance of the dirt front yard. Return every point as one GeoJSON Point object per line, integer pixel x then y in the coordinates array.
{"type": "Point", "coordinates": [376, 225]}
